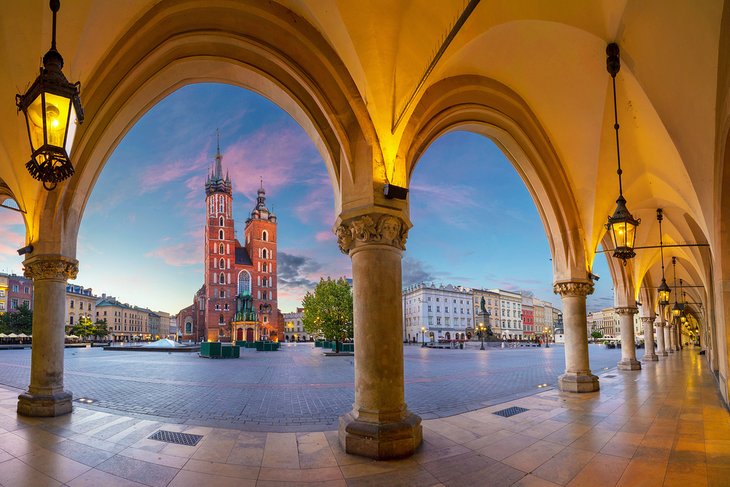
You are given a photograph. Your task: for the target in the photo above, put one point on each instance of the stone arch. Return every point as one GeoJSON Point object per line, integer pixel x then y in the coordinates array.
{"type": "Point", "coordinates": [261, 46]}
{"type": "Point", "coordinates": [485, 106]}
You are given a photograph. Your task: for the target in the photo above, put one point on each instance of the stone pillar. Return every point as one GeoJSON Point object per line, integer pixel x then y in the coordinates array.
{"type": "Point", "coordinates": [673, 337]}
{"type": "Point", "coordinates": [649, 355]}
{"type": "Point", "coordinates": [45, 395]}
{"type": "Point", "coordinates": [628, 344]}
{"type": "Point", "coordinates": [678, 335]}
{"type": "Point", "coordinates": [379, 425]}
{"type": "Point", "coordinates": [577, 376]}
{"type": "Point", "coordinates": [660, 348]}
{"type": "Point", "coordinates": [668, 337]}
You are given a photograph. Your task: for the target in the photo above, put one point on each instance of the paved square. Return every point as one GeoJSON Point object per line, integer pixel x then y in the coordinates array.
{"type": "Point", "coordinates": [296, 388]}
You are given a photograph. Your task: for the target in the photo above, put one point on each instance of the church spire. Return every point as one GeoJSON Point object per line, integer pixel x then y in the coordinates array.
{"type": "Point", "coordinates": [215, 182]}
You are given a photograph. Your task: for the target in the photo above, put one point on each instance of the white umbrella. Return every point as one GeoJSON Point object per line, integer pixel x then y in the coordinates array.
{"type": "Point", "coordinates": [22, 335]}
{"type": "Point", "coordinates": [3, 335]}
{"type": "Point", "coordinates": [12, 335]}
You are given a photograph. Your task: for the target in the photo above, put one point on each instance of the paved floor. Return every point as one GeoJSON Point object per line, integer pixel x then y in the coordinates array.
{"type": "Point", "coordinates": [297, 388]}
{"type": "Point", "coordinates": [664, 425]}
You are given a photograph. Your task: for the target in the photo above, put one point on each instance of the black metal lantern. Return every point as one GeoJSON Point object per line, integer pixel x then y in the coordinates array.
{"type": "Point", "coordinates": [622, 225]}
{"type": "Point", "coordinates": [678, 308]}
{"type": "Point", "coordinates": [52, 108]}
{"type": "Point", "coordinates": [664, 290]}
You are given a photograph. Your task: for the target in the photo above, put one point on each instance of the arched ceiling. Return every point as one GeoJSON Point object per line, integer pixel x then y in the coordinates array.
{"type": "Point", "coordinates": [551, 54]}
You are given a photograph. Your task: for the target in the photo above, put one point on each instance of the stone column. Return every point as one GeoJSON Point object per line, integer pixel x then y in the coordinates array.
{"type": "Point", "coordinates": [660, 348]}
{"type": "Point", "coordinates": [577, 376]}
{"type": "Point", "coordinates": [628, 344]}
{"type": "Point", "coordinates": [678, 333]}
{"type": "Point", "coordinates": [45, 395]}
{"type": "Point", "coordinates": [379, 425]}
{"type": "Point", "coordinates": [673, 338]}
{"type": "Point", "coordinates": [668, 337]}
{"type": "Point", "coordinates": [649, 354]}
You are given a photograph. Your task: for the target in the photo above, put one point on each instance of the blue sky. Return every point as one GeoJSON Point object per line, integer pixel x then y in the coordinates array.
{"type": "Point", "coordinates": [141, 238]}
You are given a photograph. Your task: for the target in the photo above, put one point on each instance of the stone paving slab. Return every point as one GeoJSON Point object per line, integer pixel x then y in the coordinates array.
{"type": "Point", "coordinates": [296, 389]}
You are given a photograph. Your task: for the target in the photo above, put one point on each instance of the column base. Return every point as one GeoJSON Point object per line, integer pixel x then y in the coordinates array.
{"type": "Point", "coordinates": [649, 357]}
{"type": "Point", "coordinates": [45, 405]}
{"type": "Point", "coordinates": [629, 364]}
{"type": "Point", "coordinates": [381, 441]}
{"type": "Point", "coordinates": [662, 354]}
{"type": "Point", "coordinates": [572, 382]}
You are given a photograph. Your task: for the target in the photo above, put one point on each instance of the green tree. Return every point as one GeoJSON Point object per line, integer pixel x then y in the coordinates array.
{"type": "Point", "coordinates": [328, 310]}
{"type": "Point", "coordinates": [100, 328]}
{"type": "Point", "coordinates": [596, 335]}
{"type": "Point", "coordinates": [84, 328]}
{"type": "Point", "coordinates": [18, 321]}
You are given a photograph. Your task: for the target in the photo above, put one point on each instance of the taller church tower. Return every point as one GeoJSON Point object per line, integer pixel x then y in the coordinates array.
{"type": "Point", "coordinates": [220, 282]}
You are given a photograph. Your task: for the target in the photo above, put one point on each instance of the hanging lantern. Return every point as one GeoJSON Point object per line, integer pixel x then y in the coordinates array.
{"type": "Point", "coordinates": [621, 225]}
{"type": "Point", "coordinates": [52, 109]}
{"type": "Point", "coordinates": [664, 289]}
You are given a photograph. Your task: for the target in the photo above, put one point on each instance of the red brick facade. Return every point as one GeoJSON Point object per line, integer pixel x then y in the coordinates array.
{"type": "Point", "coordinates": [234, 273]}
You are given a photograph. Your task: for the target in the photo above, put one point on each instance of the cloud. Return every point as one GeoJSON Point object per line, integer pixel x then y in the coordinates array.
{"type": "Point", "coordinates": [278, 154]}
{"type": "Point", "coordinates": [293, 270]}
{"type": "Point", "coordinates": [12, 232]}
{"type": "Point", "coordinates": [177, 255]}
{"type": "Point", "coordinates": [324, 236]}
{"type": "Point", "coordinates": [415, 271]}
{"type": "Point", "coordinates": [317, 204]}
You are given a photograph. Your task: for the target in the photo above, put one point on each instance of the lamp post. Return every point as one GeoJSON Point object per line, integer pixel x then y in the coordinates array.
{"type": "Point", "coordinates": [52, 108]}
{"type": "Point", "coordinates": [546, 334]}
{"type": "Point", "coordinates": [481, 334]}
{"type": "Point", "coordinates": [423, 336]}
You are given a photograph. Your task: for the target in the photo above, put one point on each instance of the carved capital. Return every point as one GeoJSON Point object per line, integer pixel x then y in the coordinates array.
{"type": "Point", "coordinates": [50, 267]}
{"type": "Point", "coordinates": [647, 320]}
{"type": "Point", "coordinates": [573, 288]}
{"type": "Point", "coordinates": [625, 310]}
{"type": "Point", "coordinates": [374, 228]}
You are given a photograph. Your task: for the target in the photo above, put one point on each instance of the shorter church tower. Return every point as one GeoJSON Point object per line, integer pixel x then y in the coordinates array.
{"type": "Point", "coordinates": [260, 244]}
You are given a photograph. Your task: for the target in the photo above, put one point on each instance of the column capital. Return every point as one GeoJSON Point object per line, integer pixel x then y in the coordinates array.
{"type": "Point", "coordinates": [626, 310]}
{"type": "Point", "coordinates": [647, 320]}
{"type": "Point", "coordinates": [372, 228]}
{"type": "Point", "coordinates": [573, 288]}
{"type": "Point", "coordinates": [50, 267]}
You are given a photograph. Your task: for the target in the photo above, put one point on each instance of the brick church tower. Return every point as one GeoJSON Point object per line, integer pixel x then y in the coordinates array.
{"type": "Point", "coordinates": [240, 288]}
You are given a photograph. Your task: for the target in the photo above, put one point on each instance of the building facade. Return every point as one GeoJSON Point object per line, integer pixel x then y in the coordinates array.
{"type": "Point", "coordinates": [125, 322]}
{"type": "Point", "coordinates": [294, 328]}
{"type": "Point", "coordinates": [510, 312]}
{"type": "Point", "coordinates": [15, 291]}
{"type": "Point", "coordinates": [436, 312]}
{"type": "Point", "coordinates": [80, 303]}
{"type": "Point", "coordinates": [238, 299]}
{"type": "Point", "coordinates": [528, 316]}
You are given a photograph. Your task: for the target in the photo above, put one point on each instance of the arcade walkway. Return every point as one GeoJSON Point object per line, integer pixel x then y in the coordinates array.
{"type": "Point", "coordinates": [664, 425]}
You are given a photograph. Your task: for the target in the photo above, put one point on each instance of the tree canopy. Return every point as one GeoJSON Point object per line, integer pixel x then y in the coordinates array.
{"type": "Point", "coordinates": [328, 310]}
{"type": "Point", "coordinates": [86, 328]}
{"type": "Point", "coordinates": [19, 321]}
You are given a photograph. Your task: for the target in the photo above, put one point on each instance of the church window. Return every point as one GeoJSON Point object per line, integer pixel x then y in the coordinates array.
{"type": "Point", "coordinates": [221, 320]}
{"type": "Point", "coordinates": [226, 307]}
{"type": "Point", "coordinates": [264, 282]}
{"type": "Point", "coordinates": [222, 264]}
{"type": "Point", "coordinates": [264, 253]}
{"type": "Point", "coordinates": [222, 279]}
{"type": "Point", "coordinates": [217, 307]}
{"type": "Point", "coordinates": [221, 221]}
{"type": "Point", "coordinates": [266, 319]}
{"type": "Point", "coordinates": [264, 235]}
{"type": "Point", "coordinates": [265, 267]}
{"type": "Point", "coordinates": [222, 293]}
{"type": "Point", "coordinates": [220, 234]}
{"type": "Point", "coordinates": [220, 249]}
{"type": "Point", "coordinates": [244, 282]}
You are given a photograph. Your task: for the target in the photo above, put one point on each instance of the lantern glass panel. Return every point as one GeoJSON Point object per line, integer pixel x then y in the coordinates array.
{"type": "Point", "coordinates": [623, 234]}
{"type": "Point", "coordinates": [55, 110]}
{"type": "Point", "coordinates": [664, 297]}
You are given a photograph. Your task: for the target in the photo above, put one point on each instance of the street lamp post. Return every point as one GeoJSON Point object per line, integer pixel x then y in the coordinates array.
{"type": "Point", "coordinates": [423, 336]}
{"type": "Point", "coordinates": [481, 334]}
{"type": "Point", "coordinates": [546, 332]}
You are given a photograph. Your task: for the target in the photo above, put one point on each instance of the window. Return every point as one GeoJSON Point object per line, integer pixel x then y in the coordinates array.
{"type": "Point", "coordinates": [221, 222]}
{"type": "Point", "coordinates": [446, 309]}
{"type": "Point", "coordinates": [222, 279]}
{"type": "Point", "coordinates": [264, 254]}
{"type": "Point", "coordinates": [244, 282]}
{"type": "Point", "coordinates": [222, 293]}
{"type": "Point", "coordinates": [429, 308]}
{"type": "Point", "coordinates": [27, 290]}
{"type": "Point", "coordinates": [81, 305]}
{"type": "Point", "coordinates": [217, 307]}
{"type": "Point", "coordinates": [437, 300]}
{"type": "Point", "coordinates": [220, 234]}
{"type": "Point", "coordinates": [72, 304]}
{"type": "Point", "coordinates": [265, 236]}
{"type": "Point", "coordinates": [71, 320]}
{"type": "Point", "coordinates": [15, 288]}
{"type": "Point", "coordinates": [220, 249]}
{"type": "Point", "coordinates": [226, 307]}
{"type": "Point", "coordinates": [265, 267]}
{"type": "Point", "coordinates": [222, 264]}
{"type": "Point", "coordinates": [264, 282]}
{"type": "Point", "coordinates": [438, 320]}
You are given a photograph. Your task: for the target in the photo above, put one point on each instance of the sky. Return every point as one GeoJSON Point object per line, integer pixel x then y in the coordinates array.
{"type": "Point", "coordinates": [141, 237]}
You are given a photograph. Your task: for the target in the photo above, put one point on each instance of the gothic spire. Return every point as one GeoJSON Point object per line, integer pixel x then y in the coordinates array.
{"type": "Point", "coordinates": [215, 182]}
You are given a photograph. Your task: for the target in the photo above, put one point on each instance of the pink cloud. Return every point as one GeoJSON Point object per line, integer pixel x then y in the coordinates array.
{"type": "Point", "coordinates": [12, 232]}
{"type": "Point", "coordinates": [182, 254]}
{"type": "Point", "coordinates": [160, 174]}
{"type": "Point", "coordinates": [324, 236]}
{"type": "Point", "coordinates": [278, 155]}
{"type": "Point", "coordinates": [317, 204]}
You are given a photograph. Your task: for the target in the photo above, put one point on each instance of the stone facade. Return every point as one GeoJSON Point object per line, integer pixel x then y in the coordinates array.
{"type": "Point", "coordinates": [80, 303]}
{"type": "Point", "coordinates": [444, 312]}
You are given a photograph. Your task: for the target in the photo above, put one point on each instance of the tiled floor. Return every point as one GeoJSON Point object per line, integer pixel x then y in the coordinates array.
{"type": "Point", "coordinates": [664, 425]}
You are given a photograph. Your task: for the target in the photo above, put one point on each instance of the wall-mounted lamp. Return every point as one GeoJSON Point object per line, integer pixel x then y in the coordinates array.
{"type": "Point", "coordinates": [25, 250]}
{"type": "Point", "coordinates": [391, 191]}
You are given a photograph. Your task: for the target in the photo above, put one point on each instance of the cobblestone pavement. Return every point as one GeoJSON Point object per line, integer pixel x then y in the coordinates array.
{"type": "Point", "coordinates": [296, 388]}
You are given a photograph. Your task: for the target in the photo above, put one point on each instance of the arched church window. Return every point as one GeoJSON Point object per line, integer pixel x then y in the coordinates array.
{"type": "Point", "coordinates": [222, 264]}
{"type": "Point", "coordinates": [222, 279]}
{"type": "Point", "coordinates": [264, 254]}
{"type": "Point", "coordinates": [221, 221]}
{"type": "Point", "coordinates": [244, 282]}
{"type": "Point", "coordinates": [265, 236]}
{"type": "Point", "coordinates": [221, 319]}
{"type": "Point", "coordinates": [220, 249]}
{"type": "Point", "coordinates": [220, 234]}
